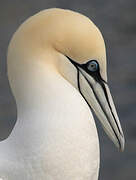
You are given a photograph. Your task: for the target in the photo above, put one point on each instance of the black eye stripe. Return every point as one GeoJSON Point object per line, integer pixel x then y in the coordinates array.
{"type": "Point", "coordinates": [95, 74]}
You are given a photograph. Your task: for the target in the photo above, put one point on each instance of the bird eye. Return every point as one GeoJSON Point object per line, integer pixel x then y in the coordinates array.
{"type": "Point", "coordinates": [92, 66]}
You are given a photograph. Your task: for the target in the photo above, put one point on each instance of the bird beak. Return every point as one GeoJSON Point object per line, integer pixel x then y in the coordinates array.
{"type": "Point", "coordinates": [98, 97]}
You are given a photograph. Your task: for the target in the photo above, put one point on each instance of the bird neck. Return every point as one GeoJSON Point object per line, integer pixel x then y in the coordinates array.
{"type": "Point", "coordinates": [45, 103]}
{"type": "Point", "coordinates": [53, 119]}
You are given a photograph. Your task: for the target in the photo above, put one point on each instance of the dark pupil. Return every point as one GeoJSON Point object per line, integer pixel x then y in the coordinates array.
{"type": "Point", "coordinates": [92, 66]}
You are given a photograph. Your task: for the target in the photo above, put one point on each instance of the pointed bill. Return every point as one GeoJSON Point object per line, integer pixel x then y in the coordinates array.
{"type": "Point", "coordinates": [99, 99]}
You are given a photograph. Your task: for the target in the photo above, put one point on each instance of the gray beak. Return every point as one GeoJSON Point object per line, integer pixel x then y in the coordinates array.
{"type": "Point", "coordinates": [98, 97]}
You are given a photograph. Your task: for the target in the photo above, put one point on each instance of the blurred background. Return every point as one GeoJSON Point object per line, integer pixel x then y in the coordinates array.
{"type": "Point", "coordinates": [117, 22]}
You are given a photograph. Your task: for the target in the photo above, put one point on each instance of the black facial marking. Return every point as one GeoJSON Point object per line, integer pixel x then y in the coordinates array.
{"type": "Point", "coordinates": [105, 92]}
{"type": "Point", "coordinates": [93, 71]}
{"type": "Point", "coordinates": [106, 95]}
{"type": "Point", "coordinates": [78, 83]}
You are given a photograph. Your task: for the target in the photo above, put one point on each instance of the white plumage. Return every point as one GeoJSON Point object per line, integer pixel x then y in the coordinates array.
{"type": "Point", "coordinates": [55, 137]}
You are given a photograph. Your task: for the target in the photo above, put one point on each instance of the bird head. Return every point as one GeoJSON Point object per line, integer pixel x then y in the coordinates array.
{"type": "Point", "coordinates": [79, 56]}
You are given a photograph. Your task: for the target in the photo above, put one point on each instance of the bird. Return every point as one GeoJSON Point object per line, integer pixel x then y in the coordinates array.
{"type": "Point", "coordinates": [56, 66]}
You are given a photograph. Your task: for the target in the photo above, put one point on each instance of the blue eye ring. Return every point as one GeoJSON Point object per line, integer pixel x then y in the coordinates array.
{"type": "Point", "coordinates": [92, 66]}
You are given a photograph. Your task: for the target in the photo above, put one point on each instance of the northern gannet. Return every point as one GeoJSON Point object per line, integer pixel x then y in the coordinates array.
{"type": "Point", "coordinates": [57, 72]}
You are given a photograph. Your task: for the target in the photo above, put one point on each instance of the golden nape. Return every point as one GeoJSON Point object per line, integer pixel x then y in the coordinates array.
{"type": "Point", "coordinates": [57, 73]}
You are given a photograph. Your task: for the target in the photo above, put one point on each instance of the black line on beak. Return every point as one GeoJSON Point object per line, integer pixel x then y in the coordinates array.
{"type": "Point", "coordinates": [99, 80]}
{"type": "Point", "coordinates": [78, 83]}
{"type": "Point", "coordinates": [96, 75]}
{"type": "Point", "coordinates": [106, 95]}
{"type": "Point", "coordinates": [102, 108]}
